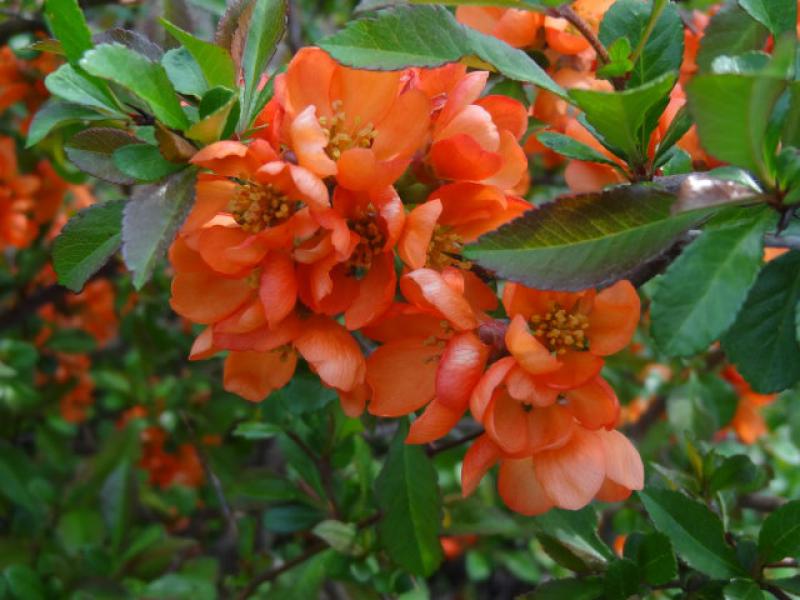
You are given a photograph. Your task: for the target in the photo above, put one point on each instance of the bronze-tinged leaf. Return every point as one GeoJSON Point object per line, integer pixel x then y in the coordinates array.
{"type": "Point", "coordinates": [173, 147]}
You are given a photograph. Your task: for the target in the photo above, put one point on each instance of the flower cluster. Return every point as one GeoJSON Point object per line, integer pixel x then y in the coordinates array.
{"type": "Point", "coordinates": [335, 235]}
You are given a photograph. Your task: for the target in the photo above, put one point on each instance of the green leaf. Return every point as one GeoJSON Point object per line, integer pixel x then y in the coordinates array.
{"type": "Point", "coordinates": [655, 559]}
{"type": "Point", "coordinates": [736, 471]}
{"type": "Point", "coordinates": [618, 52]}
{"type": "Point", "coordinates": [577, 531]}
{"type": "Point", "coordinates": [732, 112]}
{"type": "Point", "coordinates": [116, 501]}
{"type": "Point", "coordinates": [266, 27]}
{"type": "Point", "coordinates": [702, 406]}
{"type": "Point", "coordinates": [621, 117]}
{"type": "Point", "coordinates": [55, 113]}
{"type": "Point", "coordinates": [143, 162]}
{"type": "Point", "coordinates": [219, 111]}
{"type": "Point", "coordinates": [289, 518]}
{"type": "Point", "coordinates": [663, 50]}
{"type": "Point", "coordinates": [572, 148]}
{"type": "Point", "coordinates": [68, 24]}
{"type": "Point", "coordinates": [215, 62]}
{"type": "Point", "coordinates": [68, 83]}
{"type": "Point", "coordinates": [743, 589]}
{"type": "Point", "coordinates": [583, 241]}
{"type": "Point", "coordinates": [92, 151]}
{"type": "Point", "coordinates": [780, 534]}
{"type": "Point", "coordinates": [731, 32]}
{"type": "Point", "coordinates": [256, 430]}
{"type": "Point", "coordinates": [427, 36]}
{"type": "Point", "coordinates": [145, 78]}
{"type": "Point", "coordinates": [339, 536]}
{"type": "Point", "coordinates": [80, 529]}
{"type": "Point", "coordinates": [695, 532]}
{"type": "Point", "coordinates": [24, 583]}
{"type": "Point", "coordinates": [680, 124]}
{"type": "Point", "coordinates": [621, 580]}
{"type": "Point", "coordinates": [86, 243]}
{"type": "Point", "coordinates": [762, 342]}
{"type": "Point", "coordinates": [703, 290]}
{"type": "Point", "coordinates": [408, 495]}
{"type": "Point", "coordinates": [152, 217]}
{"type": "Point", "coordinates": [589, 588]}
{"type": "Point", "coordinates": [71, 341]}
{"type": "Point", "coordinates": [779, 16]}
{"type": "Point", "coordinates": [184, 72]}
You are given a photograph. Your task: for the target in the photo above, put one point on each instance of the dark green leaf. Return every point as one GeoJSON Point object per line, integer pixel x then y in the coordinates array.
{"type": "Point", "coordinates": [288, 518]}
{"type": "Point", "coordinates": [143, 162]}
{"type": "Point", "coordinates": [577, 531]}
{"type": "Point", "coordinates": [256, 430]}
{"type": "Point", "coordinates": [266, 27]}
{"type": "Point", "coordinates": [663, 51]}
{"type": "Point", "coordinates": [572, 148]}
{"type": "Point", "coordinates": [86, 243]}
{"type": "Point", "coordinates": [621, 117]}
{"type": "Point", "coordinates": [92, 151]}
{"type": "Point", "coordinates": [427, 36]}
{"type": "Point", "coordinates": [743, 589]}
{"type": "Point", "coordinates": [736, 471]}
{"type": "Point", "coordinates": [703, 290]}
{"type": "Point", "coordinates": [408, 495]}
{"type": "Point", "coordinates": [131, 39]}
{"type": "Point", "coordinates": [24, 583]}
{"type": "Point", "coordinates": [116, 501]}
{"type": "Point", "coordinates": [695, 532]}
{"type": "Point", "coordinates": [339, 536]}
{"type": "Point", "coordinates": [655, 559]}
{"type": "Point", "coordinates": [68, 83]}
{"type": "Point", "coordinates": [748, 63]}
{"type": "Point", "coordinates": [184, 72]}
{"type": "Point", "coordinates": [152, 217]}
{"type": "Point", "coordinates": [71, 341]}
{"type": "Point", "coordinates": [779, 16]}
{"type": "Point", "coordinates": [780, 534]}
{"type": "Point", "coordinates": [621, 580]}
{"type": "Point", "coordinates": [762, 342]}
{"type": "Point", "coordinates": [731, 32]}
{"type": "Point", "coordinates": [145, 78]}
{"type": "Point", "coordinates": [678, 127]}
{"type": "Point", "coordinates": [55, 113]}
{"type": "Point", "coordinates": [574, 589]}
{"type": "Point", "coordinates": [80, 529]}
{"type": "Point", "coordinates": [702, 406]}
{"type": "Point", "coordinates": [68, 24]}
{"type": "Point", "coordinates": [583, 241]}
{"type": "Point", "coordinates": [214, 61]}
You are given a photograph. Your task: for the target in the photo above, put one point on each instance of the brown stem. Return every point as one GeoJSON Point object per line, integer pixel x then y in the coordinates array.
{"type": "Point", "coordinates": [650, 417]}
{"type": "Point", "coordinates": [434, 450]}
{"type": "Point", "coordinates": [760, 502]}
{"type": "Point", "coordinates": [776, 591]}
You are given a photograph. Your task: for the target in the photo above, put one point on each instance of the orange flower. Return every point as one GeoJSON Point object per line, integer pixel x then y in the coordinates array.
{"type": "Point", "coordinates": [562, 37]}
{"type": "Point", "coordinates": [561, 337]}
{"type": "Point", "coordinates": [165, 468]}
{"type": "Point", "coordinates": [478, 139]}
{"type": "Point", "coordinates": [430, 355]}
{"type": "Point", "coordinates": [349, 267]}
{"type": "Point", "coordinates": [592, 464]}
{"type": "Point", "coordinates": [517, 28]}
{"type": "Point", "coordinates": [362, 127]}
{"type": "Point", "coordinates": [17, 199]}
{"type": "Point", "coordinates": [747, 422]}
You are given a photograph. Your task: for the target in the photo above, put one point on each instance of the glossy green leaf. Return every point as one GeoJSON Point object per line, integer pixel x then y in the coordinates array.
{"type": "Point", "coordinates": [117, 498]}
{"type": "Point", "coordinates": [780, 534]}
{"type": "Point", "coordinates": [655, 559]}
{"type": "Point", "coordinates": [145, 78]}
{"type": "Point", "coordinates": [736, 471]}
{"type": "Point", "coordinates": [583, 241]}
{"type": "Point", "coordinates": [663, 50]}
{"type": "Point", "coordinates": [86, 243]}
{"type": "Point", "coordinates": [695, 532]}
{"type": "Point", "coordinates": [572, 148]}
{"type": "Point", "coordinates": [427, 36]}
{"type": "Point", "coordinates": [74, 86]}
{"type": "Point", "coordinates": [215, 62]}
{"type": "Point", "coordinates": [152, 217]}
{"type": "Point", "coordinates": [576, 531]}
{"type": "Point", "coordinates": [589, 588]}
{"type": "Point", "coordinates": [762, 342]}
{"type": "Point", "coordinates": [68, 24]}
{"type": "Point", "coordinates": [143, 163]}
{"type": "Point", "coordinates": [779, 16]}
{"type": "Point", "coordinates": [80, 529]}
{"type": "Point", "coordinates": [621, 117]}
{"type": "Point", "coordinates": [56, 113]}
{"type": "Point", "coordinates": [731, 32]}
{"type": "Point", "coordinates": [266, 27]}
{"type": "Point", "coordinates": [621, 580]}
{"type": "Point", "coordinates": [743, 589]}
{"type": "Point", "coordinates": [93, 149]}
{"type": "Point", "coordinates": [24, 582]}
{"type": "Point", "coordinates": [184, 72]}
{"type": "Point", "coordinates": [703, 290]}
{"type": "Point", "coordinates": [408, 495]}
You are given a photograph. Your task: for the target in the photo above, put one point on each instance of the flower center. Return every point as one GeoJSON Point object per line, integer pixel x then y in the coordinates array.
{"type": "Point", "coordinates": [371, 243]}
{"type": "Point", "coordinates": [256, 207]}
{"type": "Point", "coordinates": [560, 330]}
{"type": "Point", "coordinates": [444, 250]}
{"type": "Point", "coordinates": [339, 139]}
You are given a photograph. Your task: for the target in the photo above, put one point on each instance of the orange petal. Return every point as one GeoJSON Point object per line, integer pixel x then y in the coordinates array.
{"type": "Point", "coordinates": [513, 166]}
{"type": "Point", "coordinates": [255, 375]}
{"type": "Point", "coordinates": [479, 458]}
{"type": "Point", "coordinates": [417, 233]}
{"type": "Point", "coordinates": [405, 129]}
{"type": "Point", "coordinates": [203, 345]}
{"type": "Point", "coordinates": [594, 404]}
{"type": "Point", "coordinates": [465, 92]}
{"type": "Point", "coordinates": [278, 287]}
{"type": "Point", "coordinates": [437, 421]}
{"type": "Point", "coordinates": [520, 488]}
{"type": "Point", "coordinates": [482, 395]}
{"type": "Point", "coordinates": [548, 428]}
{"type": "Point", "coordinates": [402, 376]}
{"type": "Point", "coordinates": [428, 289]}
{"type": "Point", "coordinates": [308, 80]}
{"type": "Point", "coordinates": [529, 352]}
{"type": "Point", "coordinates": [506, 422]}
{"type": "Point", "coordinates": [576, 369]}
{"type": "Point", "coordinates": [206, 297]}
{"type": "Point", "coordinates": [523, 386]}
{"type": "Point", "coordinates": [613, 319]}
{"type": "Point", "coordinates": [460, 369]}
{"type": "Point", "coordinates": [332, 352]}
{"type": "Point", "coordinates": [572, 475]}
{"type": "Point", "coordinates": [353, 402]}
{"type": "Point", "coordinates": [623, 463]}
{"type": "Point", "coordinates": [461, 157]}
{"type": "Point", "coordinates": [375, 293]}
{"type": "Point", "coordinates": [309, 141]}
{"type": "Point", "coordinates": [366, 96]}
{"type": "Point", "coordinates": [473, 122]}
{"type": "Point", "coordinates": [213, 196]}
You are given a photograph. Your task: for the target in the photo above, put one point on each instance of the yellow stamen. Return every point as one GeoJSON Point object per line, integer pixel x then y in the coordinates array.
{"type": "Point", "coordinates": [444, 249]}
{"type": "Point", "coordinates": [339, 138]}
{"type": "Point", "coordinates": [256, 207]}
{"type": "Point", "coordinates": [560, 330]}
